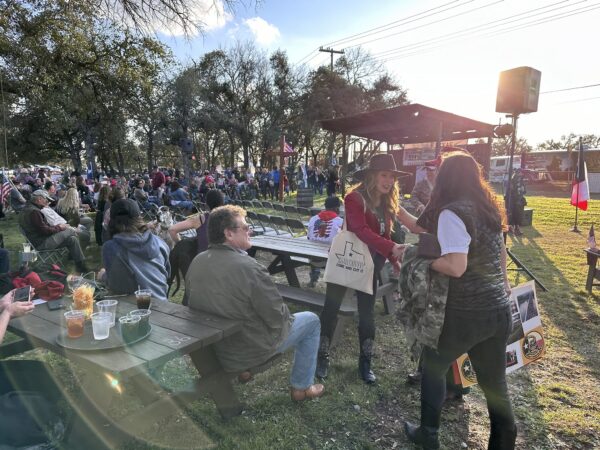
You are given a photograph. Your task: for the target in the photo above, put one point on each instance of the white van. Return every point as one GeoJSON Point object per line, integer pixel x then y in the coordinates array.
{"type": "Point", "coordinates": [499, 167]}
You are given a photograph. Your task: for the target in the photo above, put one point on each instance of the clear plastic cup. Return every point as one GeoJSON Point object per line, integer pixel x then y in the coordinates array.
{"type": "Point", "coordinates": [75, 321]}
{"type": "Point", "coordinates": [109, 306]}
{"type": "Point", "coordinates": [143, 298]}
{"type": "Point", "coordinates": [101, 325]}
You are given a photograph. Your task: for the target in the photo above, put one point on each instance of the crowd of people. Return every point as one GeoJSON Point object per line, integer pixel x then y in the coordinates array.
{"type": "Point", "coordinates": [455, 205]}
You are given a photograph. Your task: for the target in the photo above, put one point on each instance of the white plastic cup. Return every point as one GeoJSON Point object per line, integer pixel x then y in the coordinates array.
{"type": "Point", "coordinates": [109, 306]}
{"type": "Point", "coordinates": [101, 325]}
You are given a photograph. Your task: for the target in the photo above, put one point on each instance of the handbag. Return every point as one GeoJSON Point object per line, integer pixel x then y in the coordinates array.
{"type": "Point", "coordinates": [349, 263]}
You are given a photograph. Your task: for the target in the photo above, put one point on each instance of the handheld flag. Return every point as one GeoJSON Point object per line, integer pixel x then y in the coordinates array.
{"type": "Point", "coordinates": [581, 190]}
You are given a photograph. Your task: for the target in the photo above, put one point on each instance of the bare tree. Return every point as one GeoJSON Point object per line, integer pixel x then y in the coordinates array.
{"type": "Point", "coordinates": [145, 14]}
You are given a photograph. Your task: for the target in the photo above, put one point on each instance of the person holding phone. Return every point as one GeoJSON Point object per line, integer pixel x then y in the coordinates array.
{"type": "Point", "coordinates": [10, 308]}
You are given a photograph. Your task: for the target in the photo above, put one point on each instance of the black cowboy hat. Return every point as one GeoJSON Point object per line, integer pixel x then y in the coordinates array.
{"type": "Point", "coordinates": [378, 163]}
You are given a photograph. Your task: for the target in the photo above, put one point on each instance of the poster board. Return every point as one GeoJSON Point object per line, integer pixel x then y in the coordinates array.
{"type": "Point", "coordinates": [526, 342]}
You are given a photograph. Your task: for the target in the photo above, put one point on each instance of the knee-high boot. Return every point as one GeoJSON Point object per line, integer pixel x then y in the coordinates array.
{"type": "Point", "coordinates": [364, 361]}
{"type": "Point", "coordinates": [323, 358]}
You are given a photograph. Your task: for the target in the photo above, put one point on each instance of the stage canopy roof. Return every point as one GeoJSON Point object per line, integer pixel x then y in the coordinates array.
{"type": "Point", "coordinates": [409, 124]}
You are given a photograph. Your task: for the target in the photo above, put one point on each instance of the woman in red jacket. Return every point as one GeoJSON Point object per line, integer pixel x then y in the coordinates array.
{"type": "Point", "coordinates": [370, 210]}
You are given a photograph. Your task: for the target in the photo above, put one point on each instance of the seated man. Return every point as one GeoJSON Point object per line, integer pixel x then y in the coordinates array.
{"type": "Point", "coordinates": [245, 292]}
{"type": "Point", "coordinates": [44, 236]}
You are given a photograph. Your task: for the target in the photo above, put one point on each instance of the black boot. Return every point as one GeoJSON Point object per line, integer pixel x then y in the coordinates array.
{"type": "Point", "coordinates": [323, 358]}
{"type": "Point", "coordinates": [426, 437]}
{"type": "Point", "coordinates": [502, 438]}
{"type": "Point", "coordinates": [364, 361]}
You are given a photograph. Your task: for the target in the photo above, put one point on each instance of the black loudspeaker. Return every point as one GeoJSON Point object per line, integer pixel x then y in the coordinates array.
{"type": "Point", "coordinates": [518, 91]}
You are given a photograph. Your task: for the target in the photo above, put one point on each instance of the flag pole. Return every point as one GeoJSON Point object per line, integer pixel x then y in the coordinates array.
{"type": "Point", "coordinates": [579, 156]}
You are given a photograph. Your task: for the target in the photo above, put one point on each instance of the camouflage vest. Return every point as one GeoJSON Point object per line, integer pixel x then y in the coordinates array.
{"type": "Point", "coordinates": [481, 287]}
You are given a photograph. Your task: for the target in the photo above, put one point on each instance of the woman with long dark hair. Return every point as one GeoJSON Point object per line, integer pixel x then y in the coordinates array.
{"type": "Point", "coordinates": [468, 220]}
{"type": "Point", "coordinates": [370, 209]}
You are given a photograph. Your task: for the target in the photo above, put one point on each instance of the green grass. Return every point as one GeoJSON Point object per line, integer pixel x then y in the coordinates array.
{"type": "Point", "coordinates": [555, 399]}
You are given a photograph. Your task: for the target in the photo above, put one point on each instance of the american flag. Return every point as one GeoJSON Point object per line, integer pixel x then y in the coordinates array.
{"type": "Point", "coordinates": [287, 148]}
{"type": "Point", "coordinates": [5, 192]}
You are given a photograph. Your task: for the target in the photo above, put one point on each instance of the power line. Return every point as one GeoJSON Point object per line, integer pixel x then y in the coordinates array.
{"type": "Point", "coordinates": [478, 28]}
{"type": "Point", "coordinates": [397, 23]}
{"type": "Point", "coordinates": [428, 24]}
{"type": "Point", "coordinates": [492, 34]}
{"type": "Point", "coordinates": [385, 27]}
{"type": "Point", "coordinates": [571, 88]}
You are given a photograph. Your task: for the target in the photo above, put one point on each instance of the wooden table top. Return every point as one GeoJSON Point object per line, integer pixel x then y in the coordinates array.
{"type": "Point", "coordinates": [291, 246]}
{"type": "Point", "coordinates": [176, 330]}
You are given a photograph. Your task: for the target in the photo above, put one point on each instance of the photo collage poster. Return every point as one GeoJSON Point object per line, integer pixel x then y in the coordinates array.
{"type": "Point", "coordinates": [525, 343]}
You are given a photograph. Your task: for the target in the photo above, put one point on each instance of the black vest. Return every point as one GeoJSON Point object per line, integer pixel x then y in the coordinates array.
{"type": "Point", "coordinates": [481, 287]}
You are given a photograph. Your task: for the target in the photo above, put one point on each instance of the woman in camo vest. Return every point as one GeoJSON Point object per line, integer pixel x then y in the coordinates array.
{"type": "Point", "coordinates": [468, 220]}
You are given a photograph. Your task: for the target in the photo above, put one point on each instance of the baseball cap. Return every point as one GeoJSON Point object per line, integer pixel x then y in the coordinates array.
{"type": "Point", "coordinates": [41, 193]}
{"type": "Point", "coordinates": [124, 207]}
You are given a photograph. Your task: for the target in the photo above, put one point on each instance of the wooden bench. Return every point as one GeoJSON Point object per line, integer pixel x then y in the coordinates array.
{"type": "Point", "coordinates": [316, 300]}
{"type": "Point", "coordinates": [593, 272]}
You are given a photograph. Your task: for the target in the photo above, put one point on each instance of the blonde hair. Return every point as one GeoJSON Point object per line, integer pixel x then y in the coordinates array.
{"type": "Point", "coordinates": [368, 189]}
{"type": "Point", "coordinates": [69, 203]}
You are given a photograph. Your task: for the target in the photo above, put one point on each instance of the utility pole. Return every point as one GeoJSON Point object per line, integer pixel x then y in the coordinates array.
{"type": "Point", "coordinates": [331, 52]}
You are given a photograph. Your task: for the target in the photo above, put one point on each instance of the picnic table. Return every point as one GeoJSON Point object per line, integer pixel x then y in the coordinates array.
{"type": "Point", "coordinates": [176, 331]}
{"type": "Point", "coordinates": [291, 253]}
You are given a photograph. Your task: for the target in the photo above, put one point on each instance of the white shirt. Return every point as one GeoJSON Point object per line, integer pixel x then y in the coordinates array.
{"type": "Point", "coordinates": [52, 217]}
{"type": "Point", "coordinates": [452, 233]}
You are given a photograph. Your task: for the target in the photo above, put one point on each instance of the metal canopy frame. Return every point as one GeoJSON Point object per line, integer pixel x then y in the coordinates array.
{"type": "Point", "coordinates": [410, 124]}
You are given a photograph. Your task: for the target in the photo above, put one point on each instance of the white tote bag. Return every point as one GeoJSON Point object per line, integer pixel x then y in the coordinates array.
{"type": "Point", "coordinates": [349, 262]}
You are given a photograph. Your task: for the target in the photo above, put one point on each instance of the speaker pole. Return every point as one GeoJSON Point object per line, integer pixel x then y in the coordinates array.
{"type": "Point", "coordinates": [513, 144]}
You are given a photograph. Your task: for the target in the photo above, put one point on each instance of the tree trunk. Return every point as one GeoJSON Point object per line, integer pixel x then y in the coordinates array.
{"type": "Point", "coordinates": [90, 155]}
{"type": "Point", "coordinates": [150, 150]}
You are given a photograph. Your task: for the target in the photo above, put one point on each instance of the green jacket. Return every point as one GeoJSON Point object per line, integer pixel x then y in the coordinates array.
{"type": "Point", "coordinates": [423, 307]}
{"type": "Point", "coordinates": [229, 283]}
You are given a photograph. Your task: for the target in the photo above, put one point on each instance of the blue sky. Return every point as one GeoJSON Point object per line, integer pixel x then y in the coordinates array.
{"type": "Point", "coordinates": [451, 51]}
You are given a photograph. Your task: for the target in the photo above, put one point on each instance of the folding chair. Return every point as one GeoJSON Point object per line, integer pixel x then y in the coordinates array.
{"type": "Point", "coordinates": [280, 226]}
{"type": "Point", "coordinates": [265, 223]}
{"type": "Point", "coordinates": [148, 213]}
{"type": "Point", "coordinates": [279, 208]}
{"type": "Point", "coordinates": [257, 205]}
{"type": "Point", "coordinates": [291, 211]}
{"type": "Point", "coordinates": [304, 213]}
{"type": "Point", "coordinates": [54, 256]}
{"type": "Point", "coordinates": [296, 227]}
{"type": "Point", "coordinates": [247, 204]}
{"type": "Point", "coordinates": [267, 205]}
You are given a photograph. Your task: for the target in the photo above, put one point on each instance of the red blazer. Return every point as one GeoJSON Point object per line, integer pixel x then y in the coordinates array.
{"type": "Point", "coordinates": [366, 226]}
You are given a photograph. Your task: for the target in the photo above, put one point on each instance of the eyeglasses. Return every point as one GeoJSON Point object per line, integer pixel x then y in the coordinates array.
{"type": "Point", "coordinates": [244, 227]}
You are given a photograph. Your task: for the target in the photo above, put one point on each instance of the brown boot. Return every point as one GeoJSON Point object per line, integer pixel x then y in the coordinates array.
{"type": "Point", "coordinates": [313, 391]}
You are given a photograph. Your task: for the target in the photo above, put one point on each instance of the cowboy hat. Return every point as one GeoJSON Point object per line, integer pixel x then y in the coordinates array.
{"type": "Point", "coordinates": [379, 163]}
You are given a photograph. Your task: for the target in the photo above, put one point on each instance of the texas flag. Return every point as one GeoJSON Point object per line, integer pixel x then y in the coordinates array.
{"type": "Point", "coordinates": [581, 190]}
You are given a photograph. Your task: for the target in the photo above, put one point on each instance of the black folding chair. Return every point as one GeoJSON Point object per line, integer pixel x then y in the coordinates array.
{"type": "Point", "coordinates": [296, 227]}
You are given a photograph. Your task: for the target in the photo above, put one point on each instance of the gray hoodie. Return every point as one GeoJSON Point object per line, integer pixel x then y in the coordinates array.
{"type": "Point", "coordinates": [137, 259]}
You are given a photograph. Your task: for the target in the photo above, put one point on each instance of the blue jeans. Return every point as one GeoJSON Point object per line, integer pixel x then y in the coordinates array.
{"type": "Point", "coordinates": [304, 337]}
